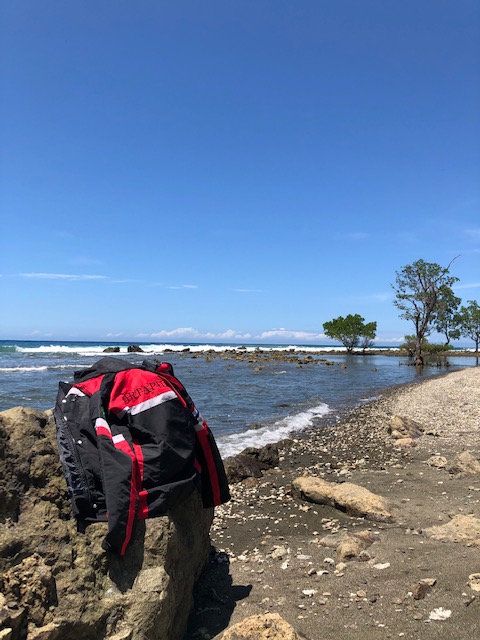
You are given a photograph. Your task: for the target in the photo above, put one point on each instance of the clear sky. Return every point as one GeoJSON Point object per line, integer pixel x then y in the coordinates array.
{"type": "Point", "coordinates": [221, 170]}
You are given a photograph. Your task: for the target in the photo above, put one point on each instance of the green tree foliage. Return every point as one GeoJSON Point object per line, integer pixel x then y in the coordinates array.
{"type": "Point", "coordinates": [470, 322]}
{"type": "Point", "coordinates": [447, 320]}
{"type": "Point", "coordinates": [421, 289]}
{"type": "Point", "coordinates": [427, 347]}
{"type": "Point", "coordinates": [351, 331]}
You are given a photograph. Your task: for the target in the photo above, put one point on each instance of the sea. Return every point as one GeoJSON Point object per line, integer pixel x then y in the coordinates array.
{"type": "Point", "coordinates": [245, 403]}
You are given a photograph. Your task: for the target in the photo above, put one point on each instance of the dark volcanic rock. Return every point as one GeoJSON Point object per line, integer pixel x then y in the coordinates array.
{"type": "Point", "coordinates": [112, 350]}
{"type": "Point", "coordinates": [134, 348]}
{"type": "Point", "coordinates": [251, 462]}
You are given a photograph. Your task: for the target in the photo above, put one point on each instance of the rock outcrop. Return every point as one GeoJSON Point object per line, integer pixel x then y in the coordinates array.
{"type": "Point", "coordinates": [58, 583]}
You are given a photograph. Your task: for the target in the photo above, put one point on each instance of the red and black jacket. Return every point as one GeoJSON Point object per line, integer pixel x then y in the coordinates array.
{"type": "Point", "coordinates": [132, 445]}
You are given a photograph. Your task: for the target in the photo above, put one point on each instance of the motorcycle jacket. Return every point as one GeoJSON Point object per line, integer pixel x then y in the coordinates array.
{"type": "Point", "coordinates": [132, 444]}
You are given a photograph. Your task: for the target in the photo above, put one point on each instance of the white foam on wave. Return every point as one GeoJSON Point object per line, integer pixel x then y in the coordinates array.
{"type": "Point", "coordinates": [20, 369]}
{"type": "Point", "coordinates": [42, 368]}
{"type": "Point", "coordinates": [234, 443]}
{"type": "Point", "coordinates": [98, 350]}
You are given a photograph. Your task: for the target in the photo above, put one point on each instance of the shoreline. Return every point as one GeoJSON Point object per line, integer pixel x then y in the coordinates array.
{"type": "Point", "coordinates": [274, 545]}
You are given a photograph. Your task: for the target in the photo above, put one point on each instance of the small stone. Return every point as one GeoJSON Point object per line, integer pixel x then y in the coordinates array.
{"type": "Point", "coordinates": [420, 590]}
{"type": "Point", "coordinates": [474, 581]}
{"type": "Point", "coordinates": [440, 614]}
{"type": "Point", "coordinates": [278, 553]}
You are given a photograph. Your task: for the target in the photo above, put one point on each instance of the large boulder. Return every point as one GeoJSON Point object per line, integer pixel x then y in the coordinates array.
{"type": "Point", "coordinates": [348, 497]}
{"type": "Point", "coordinates": [58, 583]}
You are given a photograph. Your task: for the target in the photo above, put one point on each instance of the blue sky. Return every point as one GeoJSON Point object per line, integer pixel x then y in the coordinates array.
{"type": "Point", "coordinates": [232, 170]}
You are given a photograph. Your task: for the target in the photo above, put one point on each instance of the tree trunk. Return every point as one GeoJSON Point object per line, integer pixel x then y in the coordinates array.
{"type": "Point", "coordinates": [418, 353]}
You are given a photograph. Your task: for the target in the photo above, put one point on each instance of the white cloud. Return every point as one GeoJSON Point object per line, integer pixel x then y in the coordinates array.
{"type": "Point", "coordinates": [61, 276]}
{"type": "Point", "coordinates": [248, 290]}
{"type": "Point", "coordinates": [181, 332]}
{"type": "Point", "coordinates": [287, 334]}
{"type": "Point", "coordinates": [189, 333]}
{"type": "Point", "coordinates": [183, 286]}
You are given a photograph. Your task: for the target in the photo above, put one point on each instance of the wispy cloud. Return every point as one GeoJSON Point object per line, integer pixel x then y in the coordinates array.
{"type": "Point", "coordinates": [183, 286]}
{"type": "Point", "coordinates": [248, 290]}
{"type": "Point", "coordinates": [61, 276]}
{"type": "Point", "coordinates": [469, 285]}
{"type": "Point", "coordinates": [357, 236]}
{"type": "Point", "coordinates": [189, 333]}
{"type": "Point", "coordinates": [289, 334]}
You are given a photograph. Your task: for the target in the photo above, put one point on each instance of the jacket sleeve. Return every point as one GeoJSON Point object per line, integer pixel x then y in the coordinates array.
{"type": "Point", "coordinates": [120, 485]}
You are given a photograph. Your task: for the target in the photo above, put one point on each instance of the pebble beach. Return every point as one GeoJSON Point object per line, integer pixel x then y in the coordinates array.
{"type": "Point", "coordinates": [331, 571]}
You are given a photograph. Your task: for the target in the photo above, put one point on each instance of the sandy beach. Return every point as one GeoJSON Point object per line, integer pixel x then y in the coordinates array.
{"type": "Point", "coordinates": [333, 573]}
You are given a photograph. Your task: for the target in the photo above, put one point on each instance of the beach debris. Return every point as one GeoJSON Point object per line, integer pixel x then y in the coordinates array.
{"type": "Point", "coordinates": [309, 592]}
{"type": "Point", "coordinates": [440, 614]}
{"type": "Point", "coordinates": [381, 565]}
{"type": "Point", "coordinates": [352, 498]}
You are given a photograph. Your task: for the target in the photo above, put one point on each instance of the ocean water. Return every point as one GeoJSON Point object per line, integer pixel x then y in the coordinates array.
{"type": "Point", "coordinates": [245, 404]}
